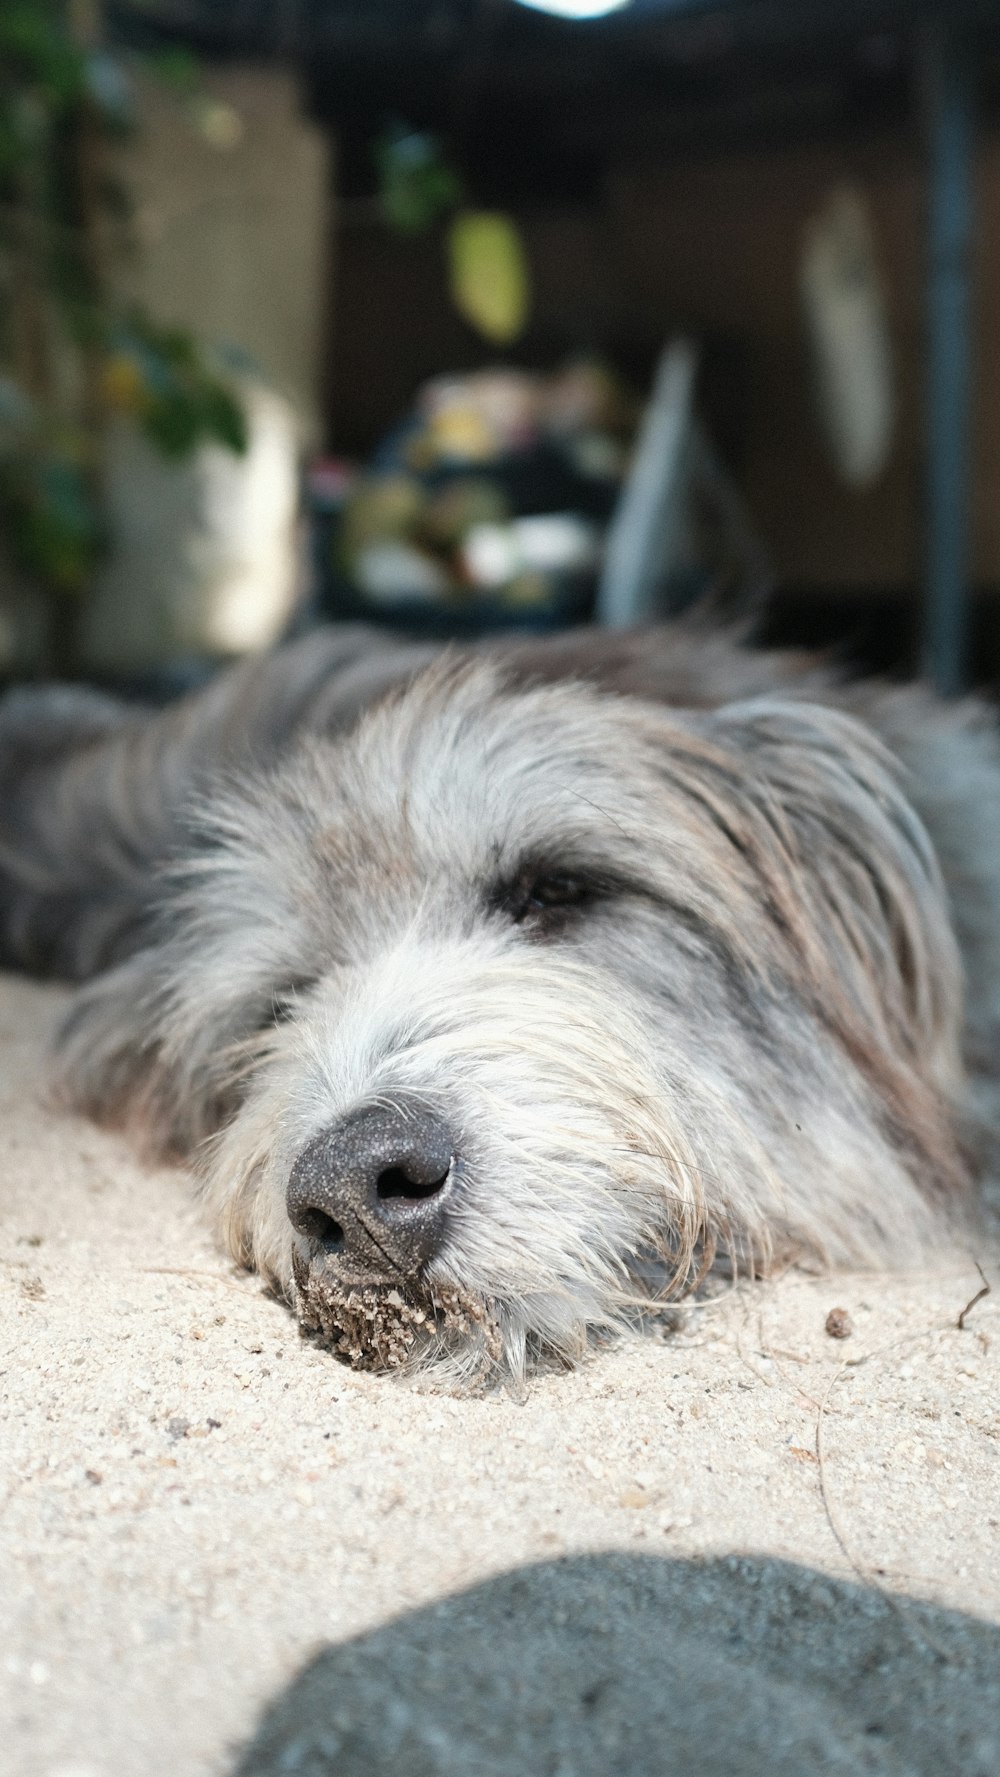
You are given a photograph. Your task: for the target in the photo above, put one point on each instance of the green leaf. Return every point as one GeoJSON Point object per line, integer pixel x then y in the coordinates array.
{"type": "Point", "coordinates": [53, 525]}
{"type": "Point", "coordinates": [187, 401]}
{"type": "Point", "coordinates": [177, 68]}
{"type": "Point", "coordinates": [172, 424]}
{"type": "Point", "coordinates": [35, 40]}
{"type": "Point", "coordinates": [416, 185]}
{"type": "Point", "coordinates": [224, 418]}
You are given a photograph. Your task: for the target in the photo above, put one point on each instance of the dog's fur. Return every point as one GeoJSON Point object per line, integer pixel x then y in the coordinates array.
{"type": "Point", "coordinates": [667, 930]}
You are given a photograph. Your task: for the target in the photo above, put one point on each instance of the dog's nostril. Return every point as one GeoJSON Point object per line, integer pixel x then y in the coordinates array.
{"type": "Point", "coordinates": [316, 1225]}
{"type": "Point", "coordinates": [374, 1191]}
{"type": "Point", "coordinates": [395, 1182]}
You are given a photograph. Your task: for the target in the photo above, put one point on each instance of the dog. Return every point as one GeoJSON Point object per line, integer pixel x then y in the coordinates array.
{"type": "Point", "coordinates": [493, 994]}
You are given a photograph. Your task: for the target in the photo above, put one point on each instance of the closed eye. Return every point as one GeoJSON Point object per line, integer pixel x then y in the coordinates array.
{"type": "Point", "coordinates": [284, 1001]}
{"type": "Point", "coordinates": [543, 898]}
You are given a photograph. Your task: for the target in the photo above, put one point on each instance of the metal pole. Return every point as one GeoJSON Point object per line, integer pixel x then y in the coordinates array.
{"type": "Point", "coordinates": [948, 95]}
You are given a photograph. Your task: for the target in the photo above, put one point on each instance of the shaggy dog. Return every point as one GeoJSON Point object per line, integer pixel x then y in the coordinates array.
{"type": "Point", "coordinates": [494, 993]}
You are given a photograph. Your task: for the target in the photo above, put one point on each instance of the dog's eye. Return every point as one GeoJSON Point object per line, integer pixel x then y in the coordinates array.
{"type": "Point", "coordinates": [534, 895]}
{"type": "Point", "coordinates": [283, 1004]}
{"type": "Point", "coordinates": [555, 891]}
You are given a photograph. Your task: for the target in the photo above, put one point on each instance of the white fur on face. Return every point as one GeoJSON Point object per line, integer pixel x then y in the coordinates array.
{"type": "Point", "coordinates": [739, 1023]}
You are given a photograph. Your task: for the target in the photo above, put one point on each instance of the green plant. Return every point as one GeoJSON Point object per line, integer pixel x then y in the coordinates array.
{"type": "Point", "coordinates": [71, 355]}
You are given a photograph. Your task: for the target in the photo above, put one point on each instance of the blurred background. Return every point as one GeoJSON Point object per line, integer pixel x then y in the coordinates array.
{"type": "Point", "coordinates": [457, 315]}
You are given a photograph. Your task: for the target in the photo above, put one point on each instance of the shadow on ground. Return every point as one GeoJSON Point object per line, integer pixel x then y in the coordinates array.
{"type": "Point", "coordinates": [639, 1667]}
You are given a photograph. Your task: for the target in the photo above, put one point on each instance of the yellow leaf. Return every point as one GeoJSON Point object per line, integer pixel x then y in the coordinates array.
{"type": "Point", "coordinates": [490, 282]}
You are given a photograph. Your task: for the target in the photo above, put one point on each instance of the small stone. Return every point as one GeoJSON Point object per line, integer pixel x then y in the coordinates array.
{"type": "Point", "coordinates": [635, 1499]}
{"type": "Point", "coordinates": [839, 1324]}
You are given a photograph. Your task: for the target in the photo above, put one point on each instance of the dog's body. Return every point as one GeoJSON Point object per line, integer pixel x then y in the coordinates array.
{"type": "Point", "coordinates": [491, 992]}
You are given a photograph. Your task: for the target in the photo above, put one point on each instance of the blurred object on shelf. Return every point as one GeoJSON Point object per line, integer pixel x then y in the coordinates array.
{"type": "Point", "coordinates": [486, 507]}
{"type": "Point", "coordinates": [847, 325]}
{"type": "Point", "coordinates": [509, 555]}
{"type": "Point", "coordinates": [647, 542]}
{"type": "Point", "coordinates": [507, 496]}
{"type": "Point", "coordinates": [681, 530]}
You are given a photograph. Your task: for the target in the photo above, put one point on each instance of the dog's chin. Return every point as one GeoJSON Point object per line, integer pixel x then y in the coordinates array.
{"type": "Point", "coordinates": [377, 1325]}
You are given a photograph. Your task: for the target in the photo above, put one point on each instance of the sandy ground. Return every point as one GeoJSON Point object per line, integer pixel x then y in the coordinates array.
{"type": "Point", "coordinates": [221, 1551]}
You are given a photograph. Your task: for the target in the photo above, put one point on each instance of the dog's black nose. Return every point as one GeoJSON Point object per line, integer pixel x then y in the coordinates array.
{"type": "Point", "coordinates": [374, 1190]}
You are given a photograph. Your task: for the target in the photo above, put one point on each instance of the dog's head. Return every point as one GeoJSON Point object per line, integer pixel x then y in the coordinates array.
{"type": "Point", "coordinates": [514, 1004]}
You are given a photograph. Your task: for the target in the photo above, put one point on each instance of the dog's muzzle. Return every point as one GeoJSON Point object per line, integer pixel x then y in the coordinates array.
{"type": "Point", "coordinates": [372, 1194]}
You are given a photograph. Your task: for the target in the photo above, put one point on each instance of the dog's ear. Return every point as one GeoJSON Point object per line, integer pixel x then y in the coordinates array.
{"type": "Point", "coordinates": [166, 1043]}
{"type": "Point", "coordinates": [847, 867]}
{"type": "Point", "coordinates": [856, 909]}
{"type": "Point", "coordinates": [110, 1063]}
{"type": "Point", "coordinates": [151, 1048]}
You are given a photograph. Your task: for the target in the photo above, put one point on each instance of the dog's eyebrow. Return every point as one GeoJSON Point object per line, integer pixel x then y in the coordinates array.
{"type": "Point", "coordinates": [598, 809]}
{"type": "Point", "coordinates": [603, 882]}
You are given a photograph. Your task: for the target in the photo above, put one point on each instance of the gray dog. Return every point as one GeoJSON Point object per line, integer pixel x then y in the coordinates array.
{"type": "Point", "coordinates": [494, 993]}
